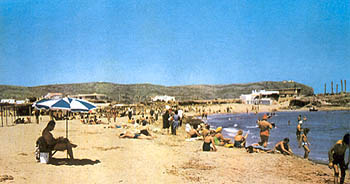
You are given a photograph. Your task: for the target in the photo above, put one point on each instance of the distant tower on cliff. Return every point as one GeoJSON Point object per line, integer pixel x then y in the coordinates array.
{"type": "Point", "coordinates": [332, 87]}
{"type": "Point", "coordinates": [325, 88]}
{"type": "Point", "coordinates": [341, 81]}
{"type": "Point", "coordinates": [336, 89]}
{"type": "Point", "coordinates": [345, 86]}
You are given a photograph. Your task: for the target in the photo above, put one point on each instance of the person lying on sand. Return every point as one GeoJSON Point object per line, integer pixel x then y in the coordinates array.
{"type": "Point", "coordinates": [59, 144]}
{"type": "Point", "coordinates": [256, 148]}
{"type": "Point", "coordinates": [219, 138]}
{"type": "Point", "coordinates": [131, 135]}
{"type": "Point", "coordinates": [283, 147]}
{"type": "Point", "coordinates": [240, 140]}
{"type": "Point", "coordinates": [209, 140]}
{"type": "Point", "coordinates": [336, 157]}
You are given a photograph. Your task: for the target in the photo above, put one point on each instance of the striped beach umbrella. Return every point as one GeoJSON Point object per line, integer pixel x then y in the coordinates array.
{"type": "Point", "coordinates": [66, 103]}
{"type": "Point", "coordinates": [70, 104]}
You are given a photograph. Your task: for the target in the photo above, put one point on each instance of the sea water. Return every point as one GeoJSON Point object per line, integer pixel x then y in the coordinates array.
{"type": "Point", "coordinates": [326, 127]}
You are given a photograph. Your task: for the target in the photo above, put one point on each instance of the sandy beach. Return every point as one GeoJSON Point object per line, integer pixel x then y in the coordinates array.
{"type": "Point", "coordinates": [103, 157]}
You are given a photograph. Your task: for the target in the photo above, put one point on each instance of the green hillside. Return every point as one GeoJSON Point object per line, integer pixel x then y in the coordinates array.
{"type": "Point", "coordinates": [140, 92]}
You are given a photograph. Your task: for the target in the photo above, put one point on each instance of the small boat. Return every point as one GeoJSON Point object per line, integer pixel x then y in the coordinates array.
{"type": "Point", "coordinates": [313, 109]}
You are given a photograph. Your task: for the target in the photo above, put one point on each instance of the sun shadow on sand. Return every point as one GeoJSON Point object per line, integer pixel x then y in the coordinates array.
{"type": "Point", "coordinates": [79, 162]}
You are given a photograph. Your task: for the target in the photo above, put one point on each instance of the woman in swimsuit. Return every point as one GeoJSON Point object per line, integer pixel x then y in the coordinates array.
{"type": "Point", "coordinates": [240, 140]}
{"type": "Point", "coordinates": [219, 138]}
{"type": "Point", "coordinates": [209, 140]}
{"type": "Point", "coordinates": [305, 143]}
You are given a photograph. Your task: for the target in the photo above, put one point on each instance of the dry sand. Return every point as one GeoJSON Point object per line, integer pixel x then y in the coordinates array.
{"type": "Point", "coordinates": [102, 157]}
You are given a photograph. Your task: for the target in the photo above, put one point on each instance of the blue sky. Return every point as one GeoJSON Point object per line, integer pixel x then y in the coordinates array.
{"type": "Point", "coordinates": [174, 42]}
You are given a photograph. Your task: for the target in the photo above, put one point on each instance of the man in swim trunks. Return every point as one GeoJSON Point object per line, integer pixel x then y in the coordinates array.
{"type": "Point", "coordinates": [299, 131]}
{"type": "Point", "coordinates": [336, 157]}
{"type": "Point", "coordinates": [283, 147]}
{"type": "Point", "coordinates": [265, 127]}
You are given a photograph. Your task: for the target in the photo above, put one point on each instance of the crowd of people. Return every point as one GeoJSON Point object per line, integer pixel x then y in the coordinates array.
{"type": "Point", "coordinates": [172, 119]}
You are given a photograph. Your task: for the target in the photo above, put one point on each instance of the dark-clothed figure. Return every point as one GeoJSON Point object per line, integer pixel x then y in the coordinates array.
{"type": "Point", "coordinates": [60, 144]}
{"type": "Point", "coordinates": [336, 157]}
{"type": "Point", "coordinates": [166, 123]}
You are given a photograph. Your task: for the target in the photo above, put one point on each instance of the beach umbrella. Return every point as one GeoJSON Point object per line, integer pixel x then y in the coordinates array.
{"type": "Point", "coordinates": [66, 103]}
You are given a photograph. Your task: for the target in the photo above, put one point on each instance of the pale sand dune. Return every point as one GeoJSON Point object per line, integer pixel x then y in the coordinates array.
{"type": "Point", "coordinates": [104, 158]}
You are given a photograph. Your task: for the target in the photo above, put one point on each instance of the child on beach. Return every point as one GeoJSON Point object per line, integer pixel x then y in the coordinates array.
{"type": "Point", "coordinates": [305, 143]}
{"type": "Point", "coordinates": [336, 157]}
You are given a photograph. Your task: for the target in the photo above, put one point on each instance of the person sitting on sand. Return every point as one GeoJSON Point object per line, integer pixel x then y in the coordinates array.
{"type": "Point", "coordinates": [205, 130]}
{"type": "Point", "coordinates": [131, 135]}
{"type": "Point", "coordinates": [192, 133]}
{"type": "Point", "coordinates": [305, 143]}
{"type": "Point", "coordinates": [265, 127]}
{"type": "Point", "coordinates": [283, 147]}
{"type": "Point", "coordinates": [219, 138]}
{"type": "Point", "coordinates": [336, 156]}
{"type": "Point", "coordinates": [60, 144]}
{"type": "Point", "coordinates": [209, 140]}
{"type": "Point", "coordinates": [240, 140]}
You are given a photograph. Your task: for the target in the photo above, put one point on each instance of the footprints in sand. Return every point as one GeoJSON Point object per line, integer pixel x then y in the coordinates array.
{"type": "Point", "coordinates": [23, 154]}
{"type": "Point", "coordinates": [5, 177]}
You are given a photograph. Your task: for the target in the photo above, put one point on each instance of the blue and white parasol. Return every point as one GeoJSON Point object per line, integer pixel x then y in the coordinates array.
{"type": "Point", "coordinates": [70, 104]}
{"type": "Point", "coordinates": [66, 103]}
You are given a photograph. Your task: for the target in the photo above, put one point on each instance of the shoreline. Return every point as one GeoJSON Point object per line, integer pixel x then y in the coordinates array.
{"type": "Point", "coordinates": [316, 161]}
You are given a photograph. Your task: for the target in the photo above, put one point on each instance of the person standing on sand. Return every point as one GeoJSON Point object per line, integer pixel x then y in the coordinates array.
{"type": "Point", "coordinates": [336, 156]}
{"type": "Point", "coordinates": [166, 124]}
{"type": "Point", "coordinates": [129, 113]}
{"type": "Point", "coordinates": [37, 114]}
{"type": "Point", "coordinates": [265, 127]}
{"type": "Point", "coordinates": [305, 143]}
{"type": "Point", "coordinates": [175, 122]}
{"type": "Point", "coordinates": [180, 112]}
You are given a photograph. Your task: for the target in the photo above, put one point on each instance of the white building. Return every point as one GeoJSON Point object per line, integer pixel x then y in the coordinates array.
{"type": "Point", "coordinates": [260, 97]}
{"type": "Point", "coordinates": [164, 98]}
{"type": "Point", "coordinates": [10, 101]}
{"type": "Point", "coordinates": [53, 95]}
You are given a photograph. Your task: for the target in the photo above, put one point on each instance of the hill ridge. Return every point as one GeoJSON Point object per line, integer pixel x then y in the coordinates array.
{"type": "Point", "coordinates": [129, 93]}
